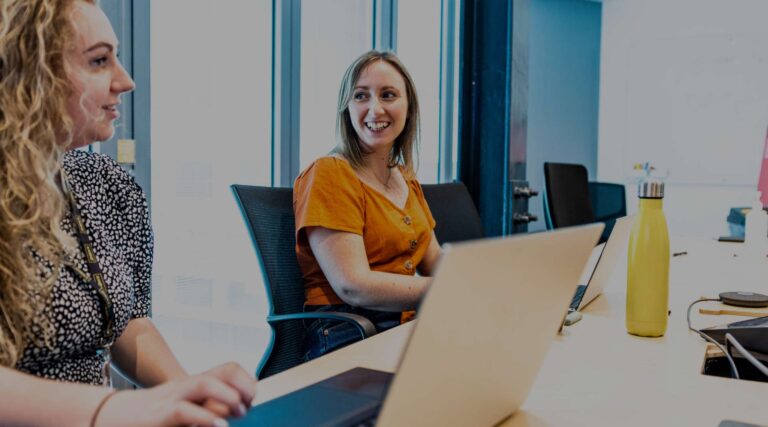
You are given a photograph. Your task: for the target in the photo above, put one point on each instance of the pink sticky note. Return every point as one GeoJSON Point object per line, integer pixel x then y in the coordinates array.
{"type": "Point", "coordinates": [762, 183]}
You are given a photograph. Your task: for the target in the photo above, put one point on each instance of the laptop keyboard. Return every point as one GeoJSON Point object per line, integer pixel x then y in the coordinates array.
{"type": "Point", "coordinates": [370, 422]}
{"type": "Point", "coordinates": [578, 296]}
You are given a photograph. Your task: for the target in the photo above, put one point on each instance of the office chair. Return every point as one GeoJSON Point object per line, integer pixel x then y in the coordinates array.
{"type": "Point", "coordinates": [566, 195]}
{"type": "Point", "coordinates": [608, 203]}
{"type": "Point", "coordinates": [570, 199]}
{"type": "Point", "coordinates": [268, 215]}
{"type": "Point", "coordinates": [454, 212]}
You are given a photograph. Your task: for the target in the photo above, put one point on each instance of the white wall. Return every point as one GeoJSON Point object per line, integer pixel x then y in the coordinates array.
{"type": "Point", "coordinates": [684, 85]}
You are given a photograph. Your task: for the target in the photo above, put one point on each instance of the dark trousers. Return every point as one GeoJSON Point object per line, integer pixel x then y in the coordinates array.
{"type": "Point", "coordinates": [326, 335]}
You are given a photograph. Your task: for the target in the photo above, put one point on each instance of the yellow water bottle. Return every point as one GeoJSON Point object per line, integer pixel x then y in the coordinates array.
{"type": "Point", "coordinates": [648, 264]}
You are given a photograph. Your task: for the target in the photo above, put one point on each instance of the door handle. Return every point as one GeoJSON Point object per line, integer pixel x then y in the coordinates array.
{"type": "Point", "coordinates": [526, 192]}
{"type": "Point", "coordinates": [523, 218]}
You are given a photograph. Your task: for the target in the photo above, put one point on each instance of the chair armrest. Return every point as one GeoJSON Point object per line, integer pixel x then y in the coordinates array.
{"type": "Point", "coordinates": [364, 325]}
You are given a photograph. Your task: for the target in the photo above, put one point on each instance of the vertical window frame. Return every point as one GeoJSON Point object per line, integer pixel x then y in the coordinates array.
{"type": "Point", "coordinates": [385, 25]}
{"type": "Point", "coordinates": [286, 91]}
{"type": "Point", "coordinates": [446, 164]}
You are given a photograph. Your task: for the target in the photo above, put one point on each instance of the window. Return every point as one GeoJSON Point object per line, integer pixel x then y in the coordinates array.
{"type": "Point", "coordinates": [333, 34]}
{"type": "Point", "coordinates": [418, 47]}
{"type": "Point", "coordinates": [211, 127]}
{"type": "Point", "coordinates": [217, 120]}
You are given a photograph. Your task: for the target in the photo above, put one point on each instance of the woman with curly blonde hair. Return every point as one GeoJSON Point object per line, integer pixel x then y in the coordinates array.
{"type": "Point", "coordinates": [76, 241]}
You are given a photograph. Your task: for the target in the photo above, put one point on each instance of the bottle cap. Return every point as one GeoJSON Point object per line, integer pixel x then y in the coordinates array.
{"type": "Point", "coordinates": [650, 189]}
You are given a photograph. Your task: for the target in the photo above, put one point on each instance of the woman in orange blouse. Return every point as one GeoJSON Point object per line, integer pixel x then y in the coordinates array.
{"type": "Point", "coordinates": [363, 227]}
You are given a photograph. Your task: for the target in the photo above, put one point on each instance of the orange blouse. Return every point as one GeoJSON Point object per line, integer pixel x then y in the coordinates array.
{"type": "Point", "coordinates": [329, 194]}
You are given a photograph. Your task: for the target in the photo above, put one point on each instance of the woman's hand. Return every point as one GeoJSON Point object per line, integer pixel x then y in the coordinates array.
{"type": "Point", "coordinates": [184, 402]}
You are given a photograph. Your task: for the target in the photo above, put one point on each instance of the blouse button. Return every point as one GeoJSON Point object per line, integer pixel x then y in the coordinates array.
{"type": "Point", "coordinates": [414, 243]}
{"type": "Point", "coordinates": [409, 265]}
{"type": "Point", "coordinates": [407, 220]}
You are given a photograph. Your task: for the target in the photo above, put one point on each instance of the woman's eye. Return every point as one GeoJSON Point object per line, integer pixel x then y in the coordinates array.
{"type": "Point", "coordinates": [99, 62]}
{"type": "Point", "coordinates": [359, 96]}
{"type": "Point", "coordinates": [389, 95]}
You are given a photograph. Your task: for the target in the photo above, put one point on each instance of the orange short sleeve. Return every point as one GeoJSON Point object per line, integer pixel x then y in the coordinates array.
{"type": "Point", "coordinates": [328, 194]}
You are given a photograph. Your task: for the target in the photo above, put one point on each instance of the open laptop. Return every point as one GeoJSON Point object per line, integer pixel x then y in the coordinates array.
{"type": "Point", "coordinates": [482, 333]}
{"type": "Point", "coordinates": [602, 263]}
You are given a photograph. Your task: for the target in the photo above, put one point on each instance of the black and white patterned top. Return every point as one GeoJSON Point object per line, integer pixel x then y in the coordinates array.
{"type": "Point", "coordinates": [117, 218]}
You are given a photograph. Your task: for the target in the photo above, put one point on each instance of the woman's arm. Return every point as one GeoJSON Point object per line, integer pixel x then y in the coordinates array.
{"type": "Point", "coordinates": [429, 262]}
{"type": "Point", "coordinates": [142, 354]}
{"type": "Point", "coordinates": [342, 258]}
{"type": "Point", "coordinates": [31, 401]}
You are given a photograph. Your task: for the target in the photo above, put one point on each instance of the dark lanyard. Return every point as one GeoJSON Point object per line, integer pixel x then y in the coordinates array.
{"type": "Point", "coordinates": [96, 279]}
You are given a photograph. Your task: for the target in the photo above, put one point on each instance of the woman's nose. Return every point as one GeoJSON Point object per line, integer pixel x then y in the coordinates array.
{"type": "Point", "coordinates": [375, 106]}
{"type": "Point", "coordinates": [122, 81]}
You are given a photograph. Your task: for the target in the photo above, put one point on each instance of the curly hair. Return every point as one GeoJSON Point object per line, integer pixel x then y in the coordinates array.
{"type": "Point", "coordinates": [405, 150]}
{"type": "Point", "coordinates": [35, 129]}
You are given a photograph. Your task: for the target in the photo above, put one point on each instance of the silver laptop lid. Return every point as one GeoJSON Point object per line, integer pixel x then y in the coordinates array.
{"type": "Point", "coordinates": [615, 246]}
{"type": "Point", "coordinates": [484, 328]}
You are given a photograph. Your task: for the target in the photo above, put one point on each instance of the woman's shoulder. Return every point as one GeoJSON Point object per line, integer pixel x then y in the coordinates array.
{"type": "Point", "coordinates": [327, 167]}
{"type": "Point", "coordinates": [328, 177]}
{"type": "Point", "coordinates": [409, 177]}
{"type": "Point", "coordinates": [413, 183]}
{"type": "Point", "coordinates": [87, 169]}
{"type": "Point", "coordinates": [84, 162]}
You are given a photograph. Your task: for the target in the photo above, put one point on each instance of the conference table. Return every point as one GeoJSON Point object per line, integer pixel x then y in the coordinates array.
{"type": "Point", "coordinates": [595, 374]}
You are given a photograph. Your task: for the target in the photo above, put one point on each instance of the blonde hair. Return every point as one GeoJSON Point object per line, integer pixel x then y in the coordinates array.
{"type": "Point", "coordinates": [405, 150]}
{"type": "Point", "coordinates": [35, 128]}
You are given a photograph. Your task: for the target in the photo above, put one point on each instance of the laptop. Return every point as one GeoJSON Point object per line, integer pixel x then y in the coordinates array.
{"type": "Point", "coordinates": [602, 264]}
{"type": "Point", "coordinates": [752, 334]}
{"type": "Point", "coordinates": [482, 332]}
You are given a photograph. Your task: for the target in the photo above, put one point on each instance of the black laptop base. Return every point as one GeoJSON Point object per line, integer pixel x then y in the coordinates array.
{"type": "Point", "coordinates": [751, 333]}
{"type": "Point", "coordinates": [347, 399]}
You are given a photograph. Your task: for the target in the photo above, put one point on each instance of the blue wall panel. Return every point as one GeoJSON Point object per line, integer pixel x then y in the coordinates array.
{"type": "Point", "coordinates": [563, 97]}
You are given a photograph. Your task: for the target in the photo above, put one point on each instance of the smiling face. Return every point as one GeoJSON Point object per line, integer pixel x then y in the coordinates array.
{"type": "Point", "coordinates": [379, 107]}
{"type": "Point", "coordinates": [97, 77]}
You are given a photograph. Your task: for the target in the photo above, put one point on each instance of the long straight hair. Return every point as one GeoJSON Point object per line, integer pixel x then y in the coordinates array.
{"type": "Point", "coordinates": [405, 150]}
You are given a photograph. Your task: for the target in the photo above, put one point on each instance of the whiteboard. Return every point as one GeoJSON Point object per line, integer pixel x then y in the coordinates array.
{"type": "Point", "coordinates": [696, 106]}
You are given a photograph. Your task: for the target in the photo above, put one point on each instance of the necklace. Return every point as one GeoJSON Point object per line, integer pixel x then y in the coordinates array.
{"type": "Point", "coordinates": [389, 178]}
{"type": "Point", "coordinates": [384, 183]}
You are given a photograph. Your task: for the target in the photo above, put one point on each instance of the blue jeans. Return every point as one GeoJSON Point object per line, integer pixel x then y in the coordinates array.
{"type": "Point", "coordinates": [326, 335]}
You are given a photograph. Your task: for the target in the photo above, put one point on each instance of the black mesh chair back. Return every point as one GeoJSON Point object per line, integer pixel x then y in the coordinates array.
{"type": "Point", "coordinates": [268, 214]}
{"type": "Point", "coordinates": [454, 212]}
{"type": "Point", "coordinates": [567, 195]}
{"type": "Point", "coordinates": [608, 203]}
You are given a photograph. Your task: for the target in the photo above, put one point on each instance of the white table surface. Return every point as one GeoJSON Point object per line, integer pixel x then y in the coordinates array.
{"type": "Point", "coordinates": [596, 374]}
